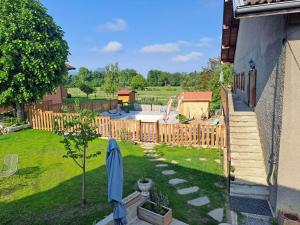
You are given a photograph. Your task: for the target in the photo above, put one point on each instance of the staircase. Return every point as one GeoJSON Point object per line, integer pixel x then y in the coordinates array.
{"type": "Point", "coordinates": [246, 155]}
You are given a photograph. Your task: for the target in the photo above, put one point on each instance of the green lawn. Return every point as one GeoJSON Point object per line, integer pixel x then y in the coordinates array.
{"type": "Point", "coordinates": [47, 187]}
{"type": "Point", "coordinates": [161, 94]}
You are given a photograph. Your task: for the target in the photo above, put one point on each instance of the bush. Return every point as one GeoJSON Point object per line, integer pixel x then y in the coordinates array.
{"type": "Point", "coordinates": [69, 95]}
{"type": "Point", "coordinates": [182, 119]}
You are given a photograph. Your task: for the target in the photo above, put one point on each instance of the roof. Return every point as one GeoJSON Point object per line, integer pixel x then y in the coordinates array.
{"type": "Point", "coordinates": [254, 2]}
{"type": "Point", "coordinates": [125, 92]}
{"type": "Point", "coordinates": [196, 96]}
{"type": "Point", "coordinates": [69, 67]}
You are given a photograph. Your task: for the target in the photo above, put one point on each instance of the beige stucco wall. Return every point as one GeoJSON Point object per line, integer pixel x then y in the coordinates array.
{"type": "Point", "coordinates": [194, 109]}
{"type": "Point", "coordinates": [289, 154]}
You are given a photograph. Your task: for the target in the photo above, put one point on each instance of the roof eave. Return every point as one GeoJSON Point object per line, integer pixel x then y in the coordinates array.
{"type": "Point", "coordinates": [276, 8]}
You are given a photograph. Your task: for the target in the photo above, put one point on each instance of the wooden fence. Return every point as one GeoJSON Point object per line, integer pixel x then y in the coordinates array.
{"type": "Point", "coordinates": [174, 134]}
{"type": "Point", "coordinates": [5, 109]}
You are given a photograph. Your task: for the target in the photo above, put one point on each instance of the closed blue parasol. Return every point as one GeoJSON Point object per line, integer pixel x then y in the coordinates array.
{"type": "Point", "coordinates": [114, 167]}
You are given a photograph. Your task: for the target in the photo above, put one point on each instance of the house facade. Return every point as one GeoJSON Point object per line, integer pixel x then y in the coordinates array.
{"type": "Point", "coordinates": [262, 39]}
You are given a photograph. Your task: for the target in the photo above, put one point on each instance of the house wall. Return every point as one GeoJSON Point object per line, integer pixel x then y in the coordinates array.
{"type": "Point", "coordinates": [289, 155]}
{"type": "Point", "coordinates": [194, 109]}
{"type": "Point", "coordinates": [127, 98]}
{"type": "Point", "coordinates": [261, 39]}
{"type": "Point", "coordinates": [57, 97]}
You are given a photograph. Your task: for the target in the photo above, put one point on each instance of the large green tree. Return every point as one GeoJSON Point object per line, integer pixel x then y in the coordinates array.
{"type": "Point", "coordinates": [138, 82]}
{"type": "Point", "coordinates": [32, 53]}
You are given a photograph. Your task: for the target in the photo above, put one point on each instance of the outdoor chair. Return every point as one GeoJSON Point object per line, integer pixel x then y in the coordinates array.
{"type": "Point", "coordinates": [10, 166]}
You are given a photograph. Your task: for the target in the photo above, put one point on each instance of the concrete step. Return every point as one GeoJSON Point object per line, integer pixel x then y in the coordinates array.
{"type": "Point", "coordinates": [245, 142]}
{"type": "Point", "coordinates": [252, 178]}
{"type": "Point", "coordinates": [246, 156]}
{"type": "Point", "coordinates": [245, 148]}
{"type": "Point", "coordinates": [251, 171]}
{"type": "Point", "coordinates": [243, 124]}
{"type": "Point", "coordinates": [242, 136]}
{"type": "Point", "coordinates": [243, 130]}
{"type": "Point", "coordinates": [250, 183]}
{"type": "Point", "coordinates": [243, 114]}
{"type": "Point", "coordinates": [235, 118]}
{"type": "Point", "coordinates": [259, 192]}
{"type": "Point", "coordinates": [248, 163]}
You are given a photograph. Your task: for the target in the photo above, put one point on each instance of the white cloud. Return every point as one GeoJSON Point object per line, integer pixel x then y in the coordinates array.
{"type": "Point", "coordinates": [184, 43]}
{"type": "Point", "coordinates": [204, 42]}
{"type": "Point", "coordinates": [95, 49]}
{"type": "Point", "coordinates": [160, 48]}
{"type": "Point", "coordinates": [116, 25]}
{"type": "Point", "coordinates": [112, 47]}
{"type": "Point", "coordinates": [193, 56]}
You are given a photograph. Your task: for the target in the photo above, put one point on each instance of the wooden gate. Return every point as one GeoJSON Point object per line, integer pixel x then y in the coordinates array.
{"type": "Point", "coordinates": [149, 132]}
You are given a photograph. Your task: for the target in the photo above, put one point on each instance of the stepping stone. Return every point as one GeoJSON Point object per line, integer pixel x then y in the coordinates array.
{"type": "Point", "coordinates": [189, 190]}
{"type": "Point", "coordinates": [217, 214]}
{"type": "Point", "coordinates": [174, 162]}
{"type": "Point", "coordinates": [203, 159]}
{"type": "Point", "coordinates": [199, 201]}
{"type": "Point", "coordinates": [168, 172]}
{"type": "Point", "coordinates": [155, 160]}
{"type": "Point", "coordinates": [161, 165]}
{"type": "Point", "coordinates": [176, 181]}
{"type": "Point", "coordinates": [189, 160]}
{"type": "Point", "coordinates": [219, 185]}
{"type": "Point", "coordinates": [149, 151]}
{"type": "Point", "coordinates": [218, 161]}
{"type": "Point", "coordinates": [152, 155]}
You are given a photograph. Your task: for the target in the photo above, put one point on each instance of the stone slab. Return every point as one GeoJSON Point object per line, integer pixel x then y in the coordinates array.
{"type": "Point", "coordinates": [217, 214]}
{"type": "Point", "coordinates": [174, 162]}
{"type": "Point", "coordinates": [156, 160]}
{"type": "Point", "coordinates": [168, 172]}
{"type": "Point", "coordinates": [203, 159]}
{"type": "Point", "coordinates": [161, 165]}
{"type": "Point", "coordinates": [199, 201]}
{"type": "Point", "coordinates": [218, 161]}
{"type": "Point", "coordinates": [176, 181]}
{"type": "Point", "coordinates": [189, 190]}
{"type": "Point", "coordinates": [189, 160]}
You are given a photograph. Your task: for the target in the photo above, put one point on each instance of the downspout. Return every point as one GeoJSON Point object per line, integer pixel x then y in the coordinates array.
{"type": "Point", "coordinates": [245, 10]}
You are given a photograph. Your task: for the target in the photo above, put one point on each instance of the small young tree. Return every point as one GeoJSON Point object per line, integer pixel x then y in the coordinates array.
{"type": "Point", "coordinates": [87, 89]}
{"type": "Point", "coordinates": [138, 82]}
{"type": "Point", "coordinates": [111, 79]}
{"type": "Point", "coordinates": [77, 134]}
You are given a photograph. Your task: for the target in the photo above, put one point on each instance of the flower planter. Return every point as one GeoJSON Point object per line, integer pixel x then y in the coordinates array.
{"type": "Point", "coordinates": [145, 186]}
{"type": "Point", "coordinates": [16, 128]}
{"type": "Point", "coordinates": [288, 218]}
{"type": "Point", "coordinates": [153, 217]}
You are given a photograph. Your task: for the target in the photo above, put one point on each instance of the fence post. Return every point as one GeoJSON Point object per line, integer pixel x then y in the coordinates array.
{"type": "Point", "coordinates": [157, 132]}
{"type": "Point", "coordinates": [140, 130]}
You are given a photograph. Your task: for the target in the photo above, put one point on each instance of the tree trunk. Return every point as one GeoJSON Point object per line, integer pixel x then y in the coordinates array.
{"type": "Point", "coordinates": [20, 111]}
{"type": "Point", "coordinates": [83, 200]}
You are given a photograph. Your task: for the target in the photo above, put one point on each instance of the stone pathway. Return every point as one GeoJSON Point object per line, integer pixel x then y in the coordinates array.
{"type": "Point", "coordinates": [218, 161]}
{"type": "Point", "coordinates": [199, 201]}
{"type": "Point", "coordinates": [189, 190]}
{"type": "Point", "coordinates": [189, 160]}
{"type": "Point", "coordinates": [203, 159]}
{"type": "Point", "coordinates": [176, 181]}
{"type": "Point", "coordinates": [161, 165]}
{"type": "Point", "coordinates": [217, 214]}
{"type": "Point", "coordinates": [174, 162]}
{"type": "Point", "coordinates": [159, 159]}
{"type": "Point", "coordinates": [168, 172]}
{"type": "Point", "coordinates": [152, 155]}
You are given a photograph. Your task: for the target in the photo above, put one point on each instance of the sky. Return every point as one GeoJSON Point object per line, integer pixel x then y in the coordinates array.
{"type": "Point", "coordinates": [169, 35]}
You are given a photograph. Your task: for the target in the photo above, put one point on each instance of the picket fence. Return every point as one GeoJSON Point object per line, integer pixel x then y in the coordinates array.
{"type": "Point", "coordinates": [136, 130]}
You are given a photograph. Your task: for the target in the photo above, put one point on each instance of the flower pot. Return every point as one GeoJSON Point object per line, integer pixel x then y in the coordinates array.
{"type": "Point", "coordinates": [145, 185]}
{"type": "Point", "coordinates": [288, 218]}
{"type": "Point", "coordinates": [152, 217]}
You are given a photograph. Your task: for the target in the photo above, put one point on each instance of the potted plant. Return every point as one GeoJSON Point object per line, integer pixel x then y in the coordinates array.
{"type": "Point", "coordinates": [156, 211]}
{"type": "Point", "coordinates": [288, 218]}
{"type": "Point", "coordinates": [232, 170]}
{"type": "Point", "coordinates": [144, 185]}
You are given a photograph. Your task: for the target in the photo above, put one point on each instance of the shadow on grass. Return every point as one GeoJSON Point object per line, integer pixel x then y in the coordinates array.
{"type": "Point", "coordinates": [61, 204]}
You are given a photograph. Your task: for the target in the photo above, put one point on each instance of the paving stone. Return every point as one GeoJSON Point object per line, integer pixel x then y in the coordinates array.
{"type": "Point", "coordinates": [188, 160]}
{"type": "Point", "coordinates": [152, 155]}
{"type": "Point", "coordinates": [156, 160]}
{"type": "Point", "coordinates": [189, 190]}
{"type": "Point", "coordinates": [168, 172]}
{"type": "Point", "coordinates": [161, 165]}
{"type": "Point", "coordinates": [255, 221]}
{"type": "Point", "coordinates": [161, 159]}
{"type": "Point", "coordinates": [218, 161]}
{"type": "Point", "coordinates": [149, 151]}
{"type": "Point", "coordinates": [217, 214]}
{"type": "Point", "coordinates": [176, 181]}
{"type": "Point", "coordinates": [174, 162]}
{"type": "Point", "coordinates": [199, 201]}
{"type": "Point", "coordinates": [203, 159]}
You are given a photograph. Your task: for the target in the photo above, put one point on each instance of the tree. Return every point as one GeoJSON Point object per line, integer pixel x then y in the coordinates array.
{"type": "Point", "coordinates": [111, 80]}
{"type": "Point", "coordinates": [85, 75]}
{"type": "Point", "coordinates": [138, 82]}
{"type": "Point", "coordinates": [87, 89]}
{"type": "Point", "coordinates": [126, 76]}
{"type": "Point", "coordinates": [32, 53]}
{"type": "Point", "coordinates": [77, 134]}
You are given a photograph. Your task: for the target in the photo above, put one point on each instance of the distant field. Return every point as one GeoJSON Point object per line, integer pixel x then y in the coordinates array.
{"type": "Point", "coordinates": [160, 94]}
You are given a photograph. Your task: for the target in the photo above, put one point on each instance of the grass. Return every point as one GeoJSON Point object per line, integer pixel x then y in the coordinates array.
{"type": "Point", "coordinates": [47, 188]}
{"type": "Point", "coordinates": [160, 94]}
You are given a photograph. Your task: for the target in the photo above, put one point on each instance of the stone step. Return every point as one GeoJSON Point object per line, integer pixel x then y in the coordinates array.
{"type": "Point", "coordinates": [247, 164]}
{"type": "Point", "coordinates": [238, 181]}
{"type": "Point", "coordinates": [243, 124]}
{"type": "Point", "coordinates": [259, 192]}
{"type": "Point", "coordinates": [246, 156]}
{"type": "Point", "coordinates": [252, 179]}
{"type": "Point", "coordinates": [245, 148]}
{"type": "Point", "coordinates": [242, 136]}
{"type": "Point", "coordinates": [245, 142]}
{"type": "Point", "coordinates": [251, 171]}
{"type": "Point", "coordinates": [244, 130]}
{"type": "Point", "coordinates": [234, 118]}
{"type": "Point", "coordinates": [243, 114]}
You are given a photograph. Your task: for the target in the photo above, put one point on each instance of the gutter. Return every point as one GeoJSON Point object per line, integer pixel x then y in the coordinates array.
{"type": "Point", "coordinates": [271, 8]}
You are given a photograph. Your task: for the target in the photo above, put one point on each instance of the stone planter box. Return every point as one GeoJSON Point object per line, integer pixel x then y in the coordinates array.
{"type": "Point", "coordinates": [11, 129]}
{"type": "Point", "coordinates": [288, 218]}
{"type": "Point", "coordinates": [154, 218]}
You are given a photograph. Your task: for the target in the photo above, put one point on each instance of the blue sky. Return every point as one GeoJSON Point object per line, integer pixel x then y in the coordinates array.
{"type": "Point", "coordinates": [171, 35]}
